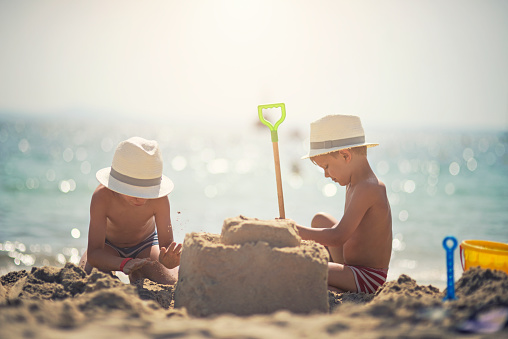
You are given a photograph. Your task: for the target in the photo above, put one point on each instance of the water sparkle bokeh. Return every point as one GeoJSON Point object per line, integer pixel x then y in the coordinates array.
{"type": "Point", "coordinates": [439, 183]}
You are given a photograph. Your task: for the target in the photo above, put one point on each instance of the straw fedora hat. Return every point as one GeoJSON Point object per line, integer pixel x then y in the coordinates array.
{"type": "Point", "coordinates": [334, 133]}
{"type": "Point", "coordinates": [136, 170]}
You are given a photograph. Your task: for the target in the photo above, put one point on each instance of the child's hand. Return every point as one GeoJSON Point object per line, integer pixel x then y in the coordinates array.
{"type": "Point", "coordinates": [170, 257]}
{"type": "Point", "coordinates": [134, 264]}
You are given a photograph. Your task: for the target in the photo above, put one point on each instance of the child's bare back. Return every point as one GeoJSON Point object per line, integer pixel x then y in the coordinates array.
{"type": "Point", "coordinates": [370, 244]}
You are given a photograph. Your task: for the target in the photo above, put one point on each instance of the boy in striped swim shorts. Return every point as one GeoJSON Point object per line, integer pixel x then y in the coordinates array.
{"type": "Point", "coordinates": [130, 226]}
{"type": "Point", "coordinates": [360, 244]}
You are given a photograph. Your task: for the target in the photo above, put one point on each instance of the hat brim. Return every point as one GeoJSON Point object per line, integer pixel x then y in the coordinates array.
{"type": "Point", "coordinates": [151, 192]}
{"type": "Point", "coordinates": [322, 151]}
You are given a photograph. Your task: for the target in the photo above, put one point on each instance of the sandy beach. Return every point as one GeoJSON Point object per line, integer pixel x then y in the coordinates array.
{"type": "Point", "coordinates": [51, 302]}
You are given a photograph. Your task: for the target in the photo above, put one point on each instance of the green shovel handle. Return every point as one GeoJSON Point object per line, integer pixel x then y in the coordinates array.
{"type": "Point", "coordinates": [273, 128]}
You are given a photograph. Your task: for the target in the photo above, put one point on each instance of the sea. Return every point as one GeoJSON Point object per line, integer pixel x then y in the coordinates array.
{"type": "Point", "coordinates": [440, 183]}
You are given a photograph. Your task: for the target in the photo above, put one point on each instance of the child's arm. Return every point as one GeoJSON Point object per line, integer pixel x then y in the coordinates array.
{"type": "Point", "coordinates": [338, 234]}
{"type": "Point", "coordinates": [169, 251]}
{"type": "Point", "coordinates": [97, 256]}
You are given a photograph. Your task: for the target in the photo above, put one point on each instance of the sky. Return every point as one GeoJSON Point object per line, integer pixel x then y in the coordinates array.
{"type": "Point", "coordinates": [392, 62]}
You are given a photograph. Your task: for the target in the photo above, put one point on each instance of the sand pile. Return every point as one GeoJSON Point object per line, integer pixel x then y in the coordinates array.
{"type": "Point", "coordinates": [254, 267]}
{"type": "Point", "coordinates": [50, 302]}
{"type": "Point", "coordinates": [238, 272]}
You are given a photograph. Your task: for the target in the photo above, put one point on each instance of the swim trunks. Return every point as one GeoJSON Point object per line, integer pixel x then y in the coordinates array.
{"type": "Point", "coordinates": [133, 252]}
{"type": "Point", "coordinates": [367, 279]}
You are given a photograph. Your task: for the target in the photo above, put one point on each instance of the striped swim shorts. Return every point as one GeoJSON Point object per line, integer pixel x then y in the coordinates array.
{"type": "Point", "coordinates": [133, 252]}
{"type": "Point", "coordinates": [367, 279]}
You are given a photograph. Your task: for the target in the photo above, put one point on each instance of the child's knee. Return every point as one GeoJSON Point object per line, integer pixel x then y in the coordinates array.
{"type": "Point", "coordinates": [322, 220]}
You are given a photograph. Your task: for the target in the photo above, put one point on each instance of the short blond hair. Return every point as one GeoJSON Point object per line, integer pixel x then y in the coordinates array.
{"type": "Point", "coordinates": [360, 150]}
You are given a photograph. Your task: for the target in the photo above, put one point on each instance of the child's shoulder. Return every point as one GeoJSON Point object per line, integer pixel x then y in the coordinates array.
{"type": "Point", "coordinates": [162, 202]}
{"type": "Point", "coordinates": [102, 193]}
{"type": "Point", "coordinates": [101, 190]}
{"type": "Point", "coordinates": [372, 186]}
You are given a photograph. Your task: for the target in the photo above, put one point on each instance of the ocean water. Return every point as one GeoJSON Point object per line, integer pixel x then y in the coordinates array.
{"type": "Point", "coordinates": [439, 183]}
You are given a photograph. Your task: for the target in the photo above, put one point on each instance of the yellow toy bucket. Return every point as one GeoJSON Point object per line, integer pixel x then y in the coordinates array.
{"type": "Point", "coordinates": [486, 254]}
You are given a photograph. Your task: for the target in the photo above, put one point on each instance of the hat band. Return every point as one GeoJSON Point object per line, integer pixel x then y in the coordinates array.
{"type": "Point", "coordinates": [135, 181]}
{"type": "Point", "coordinates": [337, 143]}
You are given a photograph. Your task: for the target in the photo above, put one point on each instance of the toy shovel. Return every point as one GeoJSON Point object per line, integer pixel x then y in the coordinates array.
{"type": "Point", "coordinates": [275, 140]}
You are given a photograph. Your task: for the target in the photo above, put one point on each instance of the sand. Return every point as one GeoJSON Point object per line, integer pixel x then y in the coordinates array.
{"type": "Point", "coordinates": [51, 302]}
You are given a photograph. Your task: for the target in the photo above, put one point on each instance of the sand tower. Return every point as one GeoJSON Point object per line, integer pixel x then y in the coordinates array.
{"type": "Point", "coordinates": [253, 267]}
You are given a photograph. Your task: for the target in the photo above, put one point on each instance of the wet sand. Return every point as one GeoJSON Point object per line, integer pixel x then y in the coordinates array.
{"type": "Point", "coordinates": [51, 302]}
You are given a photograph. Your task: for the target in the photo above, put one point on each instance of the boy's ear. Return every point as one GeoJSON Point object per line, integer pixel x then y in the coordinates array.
{"type": "Point", "coordinates": [346, 154]}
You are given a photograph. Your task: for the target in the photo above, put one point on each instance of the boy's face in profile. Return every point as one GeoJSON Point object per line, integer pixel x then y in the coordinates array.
{"type": "Point", "coordinates": [133, 201]}
{"type": "Point", "coordinates": [334, 166]}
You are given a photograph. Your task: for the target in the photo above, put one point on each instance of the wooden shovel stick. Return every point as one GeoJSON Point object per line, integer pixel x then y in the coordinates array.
{"type": "Point", "coordinates": [275, 139]}
{"type": "Point", "coordinates": [282, 213]}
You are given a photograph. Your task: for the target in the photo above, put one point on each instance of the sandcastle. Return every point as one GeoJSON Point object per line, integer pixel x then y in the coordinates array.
{"type": "Point", "coordinates": [253, 267]}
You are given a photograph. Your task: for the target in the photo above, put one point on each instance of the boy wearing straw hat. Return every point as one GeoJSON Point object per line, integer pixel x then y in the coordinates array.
{"type": "Point", "coordinates": [360, 244]}
{"type": "Point", "coordinates": [130, 225]}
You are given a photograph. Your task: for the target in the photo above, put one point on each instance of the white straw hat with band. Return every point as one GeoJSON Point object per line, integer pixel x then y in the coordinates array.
{"type": "Point", "coordinates": [136, 170]}
{"type": "Point", "coordinates": [334, 133]}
